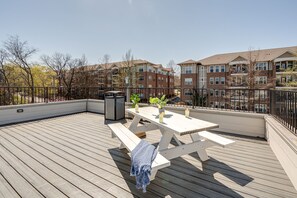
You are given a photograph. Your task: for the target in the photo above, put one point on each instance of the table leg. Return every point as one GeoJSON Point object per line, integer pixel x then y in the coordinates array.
{"type": "Point", "coordinates": [134, 124]}
{"type": "Point", "coordinates": [202, 152]}
{"type": "Point", "coordinates": [177, 140]}
{"type": "Point", "coordinates": [165, 139]}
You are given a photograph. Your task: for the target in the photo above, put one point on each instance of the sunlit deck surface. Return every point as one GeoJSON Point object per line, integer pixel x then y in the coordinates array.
{"type": "Point", "coordinates": [75, 156]}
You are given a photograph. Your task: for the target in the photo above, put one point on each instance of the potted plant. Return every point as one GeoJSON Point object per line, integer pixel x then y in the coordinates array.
{"type": "Point", "coordinates": [160, 102]}
{"type": "Point", "coordinates": [135, 99]}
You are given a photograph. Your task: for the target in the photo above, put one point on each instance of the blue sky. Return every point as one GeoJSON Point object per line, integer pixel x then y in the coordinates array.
{"type": "Point", "coordinates": [155, 30]}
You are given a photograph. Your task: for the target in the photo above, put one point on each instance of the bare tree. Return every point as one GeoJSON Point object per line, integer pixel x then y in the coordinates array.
{"type": "Point", "coordinates": [104, 70]}
{"type": "Point", "coordinates": [3, 68]}
{"type": "Point", "coordinates": [58, 63]}
{"type": "Point", "coordinates": [175, 68]}
{"type": "Point", "coordinates": [69, 71]}
{"type": "Point", "coordinates": [19, 53]}
{"type": "Point", "coordinates": [127, 72]}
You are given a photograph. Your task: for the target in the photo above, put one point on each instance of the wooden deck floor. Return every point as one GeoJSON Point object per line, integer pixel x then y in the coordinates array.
{"type": "Point", "coordinates": [74, 156]}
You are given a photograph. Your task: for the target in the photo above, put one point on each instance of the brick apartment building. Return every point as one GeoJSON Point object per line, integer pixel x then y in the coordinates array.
{"type": "Point", "coordinates": [234, 73]}
{"type": "Point", "coordinates": [145, 75]}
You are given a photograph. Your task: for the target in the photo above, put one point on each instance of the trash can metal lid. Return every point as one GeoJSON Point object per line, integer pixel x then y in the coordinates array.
{"type": "Point", "coordinates": [114, 92]}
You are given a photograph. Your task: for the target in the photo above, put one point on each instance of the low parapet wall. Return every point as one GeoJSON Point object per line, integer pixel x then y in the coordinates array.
{"type": "Point", "coordinates": [284, 145]}
{"type": "Point", "coordinates": [249, 124]}
{"type": "Point", "coordinates": [21, 113]}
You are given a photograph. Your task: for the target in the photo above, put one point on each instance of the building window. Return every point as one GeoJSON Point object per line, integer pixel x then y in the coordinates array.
{"type": "Point", "coordinates": [141, 78]}
{"type": "Point", "coordinates": [211, 81]}
{"type": "Point", "coordinates": [217, 80]}
{"type": "Point", "coordinates": [188, 69]}
{"type": "Point", "coordinates": [223, 68]}
{"type": "Point", "coordinates": [188, 81]}
{"type": "Point", "coordinates": [260, 108]}
{"type": "Point", "coordinates": [211, 92]}
{"type": "Point", "coordinates": [262, 94]}
{"type": "Point", "coordinates": [150, 77]}
{"type": "Point", "coordinates": [217, 68]}
{"type": "Point", "coordinates": [150, 86]}
{"type": "Point", "coordinates": [222, 80]}
{"type": "Point", "coordinates": [222, 92]}
{"type": "Point", "coordinates": [261, 79]}
{"type": "Point", "coordinates": [188, 92]}
{"type": "Point", "coordinates": [216, 92]}
{"type": "Point", "coordinates": [261, 66]}
{"type": "Point", "coordinates": [140, 86]}
{"type": "Point", "coordinates": [211, 69]}
{"type": "Point", "coordinates": [140, 70]}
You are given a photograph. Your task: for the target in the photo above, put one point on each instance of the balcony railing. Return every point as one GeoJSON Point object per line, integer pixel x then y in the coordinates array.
{"type": "Point", "coordinates": [281, 104]}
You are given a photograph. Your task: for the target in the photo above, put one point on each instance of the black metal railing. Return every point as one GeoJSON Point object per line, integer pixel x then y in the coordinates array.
{"type": "Point", "coordinates": [280, 104]}
{"type": "Point", "coordinates": [283, 106]}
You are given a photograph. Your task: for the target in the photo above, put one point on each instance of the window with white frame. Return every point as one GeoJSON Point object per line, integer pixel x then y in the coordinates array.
{"type": "Point", "coordinates": [150, 77]}
{"type": "Point", "coordinates": [261, 66]}
{"type": "Point", "coordinates": [261, 80]}
{"type": "Point", "coordinates": [150, 86]}
{"type": "Point", "coordinates": [217, 80]}
{"type": "Point", "coordinates": [222, 80]}
{"type": "Point", "coordinates": [211, 81]}
{"type": "Point", "coordinates": [222, 68]}
{"type": "Point", "coordinates": [140, 69]}
{"type": "Point", "coordinates": [216, 92]}
{"type": "Point", "coordinates": [211, 69]}
{"type": "Point", "coordinates": [188, 81]}
{"type": "Point", "coordinates": [188, 92]}
{"type": "Point", "coordinates": [188, 69]}
{"type": "Point", "coordinates": [217, 68]}
{"type": "Point", "coordinates": [262, 108]}
{"type": "Point", "coordinates": [211, 92]}
{"type": "Point", "coordinates": [262, 94]}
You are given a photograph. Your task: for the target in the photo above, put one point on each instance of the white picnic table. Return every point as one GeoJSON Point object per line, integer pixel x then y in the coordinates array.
{"type": "Point", "coordinates": [175, 125]}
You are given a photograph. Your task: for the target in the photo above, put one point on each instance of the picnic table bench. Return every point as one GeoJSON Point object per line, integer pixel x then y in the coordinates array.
{"type": "Point", "coordinates": [129, 141]}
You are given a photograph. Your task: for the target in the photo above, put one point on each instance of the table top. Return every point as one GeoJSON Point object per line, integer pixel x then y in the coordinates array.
{"type": "Point", "coordinates": [175, 122]}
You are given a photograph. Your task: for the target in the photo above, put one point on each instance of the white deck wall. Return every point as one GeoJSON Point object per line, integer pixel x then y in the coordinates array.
{"type": "Point", "coordinates": [284, 145]}
{"type": "Point", "coordinates": [9, 114]}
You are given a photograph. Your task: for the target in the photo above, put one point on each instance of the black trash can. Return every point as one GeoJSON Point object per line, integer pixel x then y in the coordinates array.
{"type": "Point", "coordinates": [114, 105]}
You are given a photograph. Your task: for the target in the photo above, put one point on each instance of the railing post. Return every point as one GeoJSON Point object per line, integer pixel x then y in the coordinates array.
{"type": "Point", "coordinates": [272, 102]}
{"type": "Point", "coordinates": [88, 92]}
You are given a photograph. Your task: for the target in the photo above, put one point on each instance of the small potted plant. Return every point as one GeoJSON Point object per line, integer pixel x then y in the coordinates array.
{"type": "Point", "coordinates": [135, 99]}
{"type": "Point", "coordinates": [160, 102]}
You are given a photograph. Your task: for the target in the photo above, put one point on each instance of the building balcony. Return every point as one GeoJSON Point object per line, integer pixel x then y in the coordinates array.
{"type": "Point", "coordinates": [239, 72]}
{"type": "Point", "coordinates": [239, 85]}
{"type": "Point", "coordinates": [64, 148]}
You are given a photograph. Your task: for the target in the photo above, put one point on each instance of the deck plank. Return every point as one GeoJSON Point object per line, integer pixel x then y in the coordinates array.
{"type": "Point", "coordinates": [21, 185]}
{"type": "Point", "coordinates": [78, 153]}
{"type": "Point", "coordinates": [6, 190]}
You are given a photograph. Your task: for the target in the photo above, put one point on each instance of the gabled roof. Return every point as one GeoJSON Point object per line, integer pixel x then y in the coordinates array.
{"type": "Point", "coordinates": [239, 58]}
{"type": "Point", "coordinates": [258, 55]}
{"type": "Point", "coordinates": [116, 64]}
{"type": "Point", "coordinates": [190, 61]}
